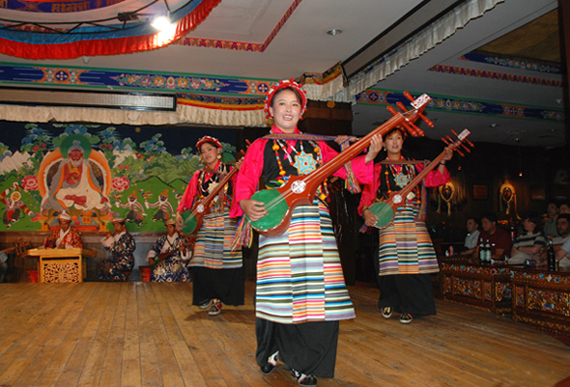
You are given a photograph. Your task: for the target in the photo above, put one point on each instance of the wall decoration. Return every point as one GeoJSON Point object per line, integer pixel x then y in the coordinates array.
{"type": "Point", "coordinates": [507, 197]}
{"type": "Point", "coordinates": [93, 171]}
{"type": "Point", "coordinates": [537, 193]}
{"type": "Point", "coordinates": [480, 192]}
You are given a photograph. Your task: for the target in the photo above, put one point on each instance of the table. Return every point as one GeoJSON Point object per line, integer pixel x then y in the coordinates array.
{"type": "Point", "coordinates": [486, 287]}
{"type": "Point", "coordinates": [61, 265]}
{"type": "Point", "coordinates": [541, 298]}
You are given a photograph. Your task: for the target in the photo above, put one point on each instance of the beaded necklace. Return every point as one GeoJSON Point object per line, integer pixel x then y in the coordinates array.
{"type": "Point", "coordinates": [402, 174]}
{"type": "Point", "coordinates": [215, 178]}
{"type": "Point", "coordinates": [304, 163]}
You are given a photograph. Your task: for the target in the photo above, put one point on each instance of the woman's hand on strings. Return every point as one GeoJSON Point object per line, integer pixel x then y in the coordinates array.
{"type": "Point", "coordinates": [254, 209]}
{"type": "Point", "coordinates": [369, 218]}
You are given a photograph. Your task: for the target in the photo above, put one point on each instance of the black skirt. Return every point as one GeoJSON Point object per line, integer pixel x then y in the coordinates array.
{"type": "Point", "coordinates": [309, 348]}
{"type": "Point", "coordinates": [225, 284]}
{"type": "Point", "coordinates": [407, 293]}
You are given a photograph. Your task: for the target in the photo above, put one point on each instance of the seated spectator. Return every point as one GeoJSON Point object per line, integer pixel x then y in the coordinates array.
{"type": "Point", "coordinates": [65, 237]}
{"type": "Point", "coordinates": [565, 207]}
{"type": "Point", "coordinates": [563, 250]}
{"type": "Point", "coordinates": [121, 245]}
{"type": "Point", "coordinates": [498, 238]}
{"type": "Point", "coordinates": [552, 211]}
{"type": "Point", "coordinates": [530, 242]}
{"type": "Point", "coordinates": [170, 256]}
{"type": "Point", "coordinates": [472, 237]}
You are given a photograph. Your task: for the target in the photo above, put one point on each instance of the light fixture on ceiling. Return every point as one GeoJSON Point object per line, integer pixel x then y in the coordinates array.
{"type": "Point", "coordinates": [162, 23]}
{"type": "Point", "coordinates": [494, 125]}
{"type": "Point", "coordinates": [334, 31]}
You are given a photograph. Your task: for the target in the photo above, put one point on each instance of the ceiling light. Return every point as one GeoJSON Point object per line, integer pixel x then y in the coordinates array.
{"type": "Point", "coordinates": [161, 23]}
{"type": "Point", "coordinates": [493, 125]}
{"type": "Point", "coordinates": [334, 31]}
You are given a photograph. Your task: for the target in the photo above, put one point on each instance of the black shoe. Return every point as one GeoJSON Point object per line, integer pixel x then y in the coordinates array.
{"type": "Point", "coordinates": [406, 318]}
{"type": "Point", "coordinates": [271, 363]}
{"type": "Point", "coordinates": [267, 369]}
{"type": "Point", "coordinates": [387, 312]}
{"type": "Point", "coordinates": [304, 380]}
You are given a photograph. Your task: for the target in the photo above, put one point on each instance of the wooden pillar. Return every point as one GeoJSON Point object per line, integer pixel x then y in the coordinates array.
{"type": "Point", "coordinates": [564, 28]}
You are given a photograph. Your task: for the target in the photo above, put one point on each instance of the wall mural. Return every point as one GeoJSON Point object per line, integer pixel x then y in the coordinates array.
{"type": "Point", "coordinates": [94, 172]}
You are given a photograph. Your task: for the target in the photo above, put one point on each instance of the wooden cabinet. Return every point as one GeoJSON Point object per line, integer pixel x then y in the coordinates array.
{"type": "Point", "coordinates": [542, 299]}
{"type": "Point", "coordinates": [480, 286]}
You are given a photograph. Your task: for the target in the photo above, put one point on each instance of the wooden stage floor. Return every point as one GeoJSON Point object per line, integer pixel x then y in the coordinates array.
{"type": "Point", "coordinates": [141, 334]}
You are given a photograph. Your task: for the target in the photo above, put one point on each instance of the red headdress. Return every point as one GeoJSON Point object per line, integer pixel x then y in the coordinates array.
{"type": "Point", "coordinates": [205, 139]}
{"type": "Point", "coordinates": [282, 85]}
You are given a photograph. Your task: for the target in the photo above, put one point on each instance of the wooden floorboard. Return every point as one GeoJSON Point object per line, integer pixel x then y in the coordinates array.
{"type": "Point", "coordinates": [140, 334]}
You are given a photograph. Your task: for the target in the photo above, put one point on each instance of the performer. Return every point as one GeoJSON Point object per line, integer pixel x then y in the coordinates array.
{"type": "Point", "coordinates": [65, 237]}
{"type": "Point", "coordinates": [217, 271]}
{"type": "Point", "coordinates": [170, 255]}
{"type": "Point", "coordinates": [121, 244]}
{"type": "Point", "coordinates": [301, 295]}
{"type": "Point", "coordinates": [406, 257]}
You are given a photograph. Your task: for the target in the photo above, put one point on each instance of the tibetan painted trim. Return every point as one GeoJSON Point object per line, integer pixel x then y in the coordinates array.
{"type": "Point", "coordinates": [458, 105]}
{"type": "Point", "coordinates": [496, 76]}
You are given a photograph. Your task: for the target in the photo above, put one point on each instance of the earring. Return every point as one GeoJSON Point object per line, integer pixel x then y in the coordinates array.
{"type": "Point", "coordinates": [219, 156]}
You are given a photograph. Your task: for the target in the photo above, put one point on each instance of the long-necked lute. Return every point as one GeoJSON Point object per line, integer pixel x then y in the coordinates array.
{"type": "Point", "coordinates": [164, 256]}
{"type": "Point", "coordinates": [385, 209]}
{"type": "Point", "coordinates": [280, 202]}
{"type": "Point", "coordinates": [192, 220]}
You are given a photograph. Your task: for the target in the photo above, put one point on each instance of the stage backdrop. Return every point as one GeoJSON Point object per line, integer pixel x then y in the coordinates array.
{"type": "Point", "coordinates": [95, 172]}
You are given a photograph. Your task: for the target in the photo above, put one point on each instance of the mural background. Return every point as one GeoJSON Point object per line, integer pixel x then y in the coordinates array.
{"type": "Point", "coordinates": [135, 172]}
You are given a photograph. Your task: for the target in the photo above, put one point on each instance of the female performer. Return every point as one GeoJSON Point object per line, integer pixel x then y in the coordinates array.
{"type": "Point", "coordinates": [300, 295]}
{"type": "Point", "coordinates": [218, 271]}
{"type": "Point", "coordinates": [406, 256]}
{"type": "Point", "coordinates": [170, 256]}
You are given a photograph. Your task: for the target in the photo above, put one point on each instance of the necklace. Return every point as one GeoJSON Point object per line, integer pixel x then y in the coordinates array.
{"type": "Point", "coordinates": [304, 162]}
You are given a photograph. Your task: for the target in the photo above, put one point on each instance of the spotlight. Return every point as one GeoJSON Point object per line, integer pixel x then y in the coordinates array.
{"type": "Point", "coordinates": [161, 23]}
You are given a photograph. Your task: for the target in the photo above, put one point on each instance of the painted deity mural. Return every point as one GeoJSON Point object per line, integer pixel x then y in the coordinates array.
{"type": "Point", "coordinates": [95, 172]}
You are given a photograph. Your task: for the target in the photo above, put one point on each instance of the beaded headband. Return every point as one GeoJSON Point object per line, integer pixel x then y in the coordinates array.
{"type": "Point", "coordinates": [282, 85]}
{"type": "Point", "coordinates": [205, 139]}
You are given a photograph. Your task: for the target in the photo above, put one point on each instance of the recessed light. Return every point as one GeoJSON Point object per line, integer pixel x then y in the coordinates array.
{"type": "Point", "coordinates": [334, 31]}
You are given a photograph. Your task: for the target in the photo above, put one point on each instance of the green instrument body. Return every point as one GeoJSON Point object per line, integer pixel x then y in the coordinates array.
{"type": "Point", "coordinates": [190, 222]}
{"type": "Point", "coordinates": [384, 212]}
{"type": "Point", "coordinates": [276, 207]}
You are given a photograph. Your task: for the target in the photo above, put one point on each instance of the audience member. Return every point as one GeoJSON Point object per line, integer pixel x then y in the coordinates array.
{"type": "Point", "coordinates": [121, 244]}
{"type": "Point", "coordinates": [65, 237]}
{"type": "Point", "coordinates": [563, 251]}
{"type": "Point", "coordinates": [552, 210]}
{"type": "Point", "coordinates": [169, 256]}
{"type": "Point", "coordinates": [530, 242]}
{"type": "Point", "coordinates": [497, 237]}
{"type": "Point", "coordinates": [472, 237]}
{"type": "Point", "coordinates": [565, 207]}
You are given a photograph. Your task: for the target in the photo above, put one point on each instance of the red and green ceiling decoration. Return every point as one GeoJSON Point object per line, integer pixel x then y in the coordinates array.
{"type": "Point", "coordinates": [31, 42]}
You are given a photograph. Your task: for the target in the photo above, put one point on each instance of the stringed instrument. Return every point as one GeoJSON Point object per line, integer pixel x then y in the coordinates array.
{"type": "Point", "coordinates": [192, 220]}
{"type": "Point", "coordinates": [164, 256]}
{"type": "Point", "coordinates": [385, 209]}
{"type": "Point", "coordinates": [279, 203]}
